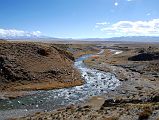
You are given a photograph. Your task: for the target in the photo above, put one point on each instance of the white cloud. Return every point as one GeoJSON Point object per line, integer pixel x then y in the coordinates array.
{"type": "Point", "coordinates": [7, 33]}
{"type": "Point", "coordinates": [132, 28]}
{"type": "Point", "coordinates": [102, 23]}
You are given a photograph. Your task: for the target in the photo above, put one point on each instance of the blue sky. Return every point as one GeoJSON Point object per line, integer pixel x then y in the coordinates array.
{"type": "Point", "coordinates": [79, 18]}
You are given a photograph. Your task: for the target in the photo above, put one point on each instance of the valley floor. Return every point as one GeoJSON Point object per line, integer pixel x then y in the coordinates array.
{"type": "Point", "coordinates": [137, 98]}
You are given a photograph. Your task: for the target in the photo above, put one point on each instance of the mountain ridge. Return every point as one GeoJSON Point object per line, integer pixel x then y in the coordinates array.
{"type": "Point", "coordinates": [113, 39]}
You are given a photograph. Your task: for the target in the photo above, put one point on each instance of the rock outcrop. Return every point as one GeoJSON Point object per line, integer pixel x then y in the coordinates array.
{"type": "Point", "coordinates": [145, 57]}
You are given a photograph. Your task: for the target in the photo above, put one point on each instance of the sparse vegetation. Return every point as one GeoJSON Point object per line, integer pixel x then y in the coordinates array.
{"type": "Point", "coordinates": [144, 115]}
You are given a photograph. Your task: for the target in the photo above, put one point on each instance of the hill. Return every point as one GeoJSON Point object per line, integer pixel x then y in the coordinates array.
{"type": "Point", "coordinates": [32, 66]}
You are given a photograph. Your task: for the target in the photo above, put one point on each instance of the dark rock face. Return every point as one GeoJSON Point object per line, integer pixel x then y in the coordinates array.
{"type": "Point", "coordinates": [10, 71]}
{"type": "Point", "coordinates": [144, 57]}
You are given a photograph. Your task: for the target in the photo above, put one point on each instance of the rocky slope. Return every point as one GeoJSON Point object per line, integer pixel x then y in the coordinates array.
{"type": "Point", "coordinates": [31, 66]}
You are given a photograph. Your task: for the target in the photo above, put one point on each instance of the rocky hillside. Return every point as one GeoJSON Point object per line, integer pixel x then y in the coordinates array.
{"type": "Point", "coordinates": [24, 65]}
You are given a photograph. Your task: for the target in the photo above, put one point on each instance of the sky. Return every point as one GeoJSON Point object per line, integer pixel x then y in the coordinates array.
{"type": "Point", "coordinates": [79, 18]}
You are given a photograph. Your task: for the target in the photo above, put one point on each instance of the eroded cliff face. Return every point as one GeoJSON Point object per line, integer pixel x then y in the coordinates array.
{"type": "Point", "coordinates": [25, 63]}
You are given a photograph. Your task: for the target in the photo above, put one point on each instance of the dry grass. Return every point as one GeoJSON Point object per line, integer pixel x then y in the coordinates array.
{"type": "Point", "coordinates": [46, 85]}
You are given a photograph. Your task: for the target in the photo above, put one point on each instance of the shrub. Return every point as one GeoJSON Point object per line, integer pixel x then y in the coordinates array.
{"type": "Point", "coordinates": [42, 52]}
{"type": "Point", "coordinates": [145, 114]}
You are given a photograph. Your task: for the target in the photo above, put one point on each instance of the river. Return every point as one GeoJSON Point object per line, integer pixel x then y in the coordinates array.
{"type": "Point", "coordinates": [96, 83]}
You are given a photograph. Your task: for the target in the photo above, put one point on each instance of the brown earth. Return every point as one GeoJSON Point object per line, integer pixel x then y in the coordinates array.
{"type": "Point", "coordinates": [34, 66]}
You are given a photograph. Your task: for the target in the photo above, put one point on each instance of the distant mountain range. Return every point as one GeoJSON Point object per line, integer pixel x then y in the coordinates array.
{"type": "Point", "coordinates": [124, 39]}
{"type": "Point", "coordinates": [128, 39]}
